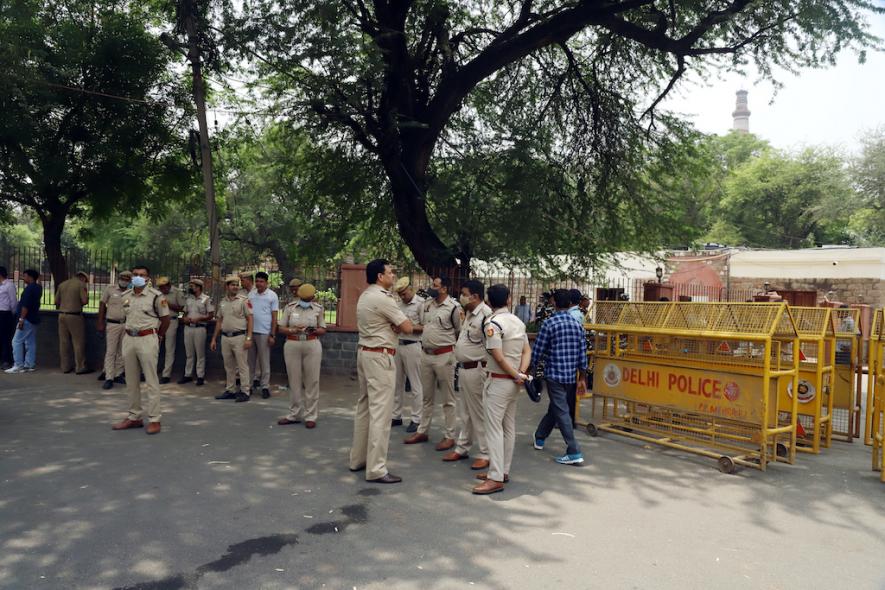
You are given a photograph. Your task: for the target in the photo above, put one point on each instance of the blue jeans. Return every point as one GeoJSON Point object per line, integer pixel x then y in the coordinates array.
{"type": "Point", "coordinates": [558, 415]}
{"type": "Point", "coordinates": [24, 345]}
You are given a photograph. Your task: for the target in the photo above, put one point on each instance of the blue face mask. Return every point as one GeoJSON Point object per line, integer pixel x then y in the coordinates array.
{"type": "Point", "coordinates": [139, 282]}
{"type": "Point", "coordinates": [304, 304]}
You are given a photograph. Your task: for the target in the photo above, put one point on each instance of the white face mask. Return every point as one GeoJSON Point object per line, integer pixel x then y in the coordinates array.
{"type": "Point", "coordinates": [138, 282]}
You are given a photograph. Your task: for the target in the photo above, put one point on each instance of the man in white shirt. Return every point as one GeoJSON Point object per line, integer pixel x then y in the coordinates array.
{"type": "Point", "coordinates": [265, 308]}
{"type": "Point", "coordinates": [8, 301]}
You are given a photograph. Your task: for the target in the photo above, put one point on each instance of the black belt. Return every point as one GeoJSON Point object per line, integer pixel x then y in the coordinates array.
{"type": "Point", "coordinates": [472, 364]}
{"type": "Point", "coordinates": [406, 342]}
{"type": "Point", "coordinates": [195, 326]}
{"type": "Point", "coordinates": [235, 333]}
{"type": "Point", "coordinates": [114, 321]}
{"type": "Point", "coordinates": [71, 312]}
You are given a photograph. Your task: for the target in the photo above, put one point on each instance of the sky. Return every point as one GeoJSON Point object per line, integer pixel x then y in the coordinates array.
{"type": "Point", "coordinates": [830, 107]}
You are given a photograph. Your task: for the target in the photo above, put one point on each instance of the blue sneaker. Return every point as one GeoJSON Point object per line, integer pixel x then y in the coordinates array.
{"type": "Point", "coordinates": [539, 444]}
{"type": "Point", "coordinates": [575, 459]}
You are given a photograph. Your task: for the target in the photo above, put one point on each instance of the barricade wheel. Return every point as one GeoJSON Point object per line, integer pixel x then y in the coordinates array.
{"type": "Point", "coordinates": [726, 465]}
{"type": "Point", "coordinates": [592, 430]}
{"type": "Point", "coordinates": [781, 450]}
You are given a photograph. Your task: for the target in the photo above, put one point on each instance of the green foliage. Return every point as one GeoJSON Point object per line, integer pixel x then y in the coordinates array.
{"type": "Point", "coordinates": [538, 110]}
{"type": "Point", "coordinates": [286, 195]}
{"type": "Point", "coordinates": [67, 146]}
{"type": "Point", "coordinates": [778, 200]}
{"type": "Point", "coordinates": [868, 222]}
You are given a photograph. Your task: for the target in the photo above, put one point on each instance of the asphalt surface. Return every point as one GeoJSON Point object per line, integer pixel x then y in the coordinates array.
{"type": "Point", "coordinates": [225, 498]}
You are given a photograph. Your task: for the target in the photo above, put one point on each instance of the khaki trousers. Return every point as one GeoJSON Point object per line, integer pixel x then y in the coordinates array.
{"type": "Point", "coordinates": [408, 364]}
{"type": "Point", "coordinates": [71, 331]}
{"type": "Point", "coordinates": [438, 373]}
{"type": "Point", "coordinates": [113, 353]}
{"type": "Point", "coordinates": [472, 412]}
{"type": "Point", "coordinates": [303, 360]}
{"type": "Point", "coordinates": [499, 399]}
{"type": "Point", "coordinates": [140, 356]}
{"type": "Point", "coordinates": [195, 350]}
{"type": "Point", "coordinates": [376, 372]}
{"type": "Point", "coordinates": [169, 346]}
{"type": "Point", "coordinates": [259, 360]}
{"type": "Point", "coordinates": [236, 358]}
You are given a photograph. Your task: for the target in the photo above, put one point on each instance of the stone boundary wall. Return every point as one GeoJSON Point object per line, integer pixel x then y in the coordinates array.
{"type": "Point", "coordinates": [866, 291]}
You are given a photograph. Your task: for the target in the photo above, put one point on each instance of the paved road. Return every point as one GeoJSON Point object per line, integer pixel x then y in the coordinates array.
{"type": "Point", "coordinates": [224, 498]}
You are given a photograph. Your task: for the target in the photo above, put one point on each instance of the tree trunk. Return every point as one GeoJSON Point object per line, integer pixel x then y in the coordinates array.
{"type": "Point", "coordinates": [287, 267]}
{"type": "Point", "coordinates": [53, 227]}
{"type": "Point", "coordinates": [408, 185]}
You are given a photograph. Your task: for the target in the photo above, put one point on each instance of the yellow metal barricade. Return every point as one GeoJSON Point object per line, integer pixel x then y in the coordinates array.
{"type": "Point", "coordinates": [817, 360]}
{"type": "Point", "coordinates": [698, 377]}
{"type": "Point", "coordinates": [846, 386]}
{"type": "Point", "coordinates": [876, 391]}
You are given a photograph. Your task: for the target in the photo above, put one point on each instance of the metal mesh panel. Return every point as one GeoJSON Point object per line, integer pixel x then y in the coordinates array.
{"type": "Point", "coordinates": [846, 321]}
{"type": "Point", "coordinates": [812, 322]}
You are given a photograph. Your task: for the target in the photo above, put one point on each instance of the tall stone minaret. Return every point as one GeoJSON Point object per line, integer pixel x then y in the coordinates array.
{"type": "Point", "coordinates": [741, 113]}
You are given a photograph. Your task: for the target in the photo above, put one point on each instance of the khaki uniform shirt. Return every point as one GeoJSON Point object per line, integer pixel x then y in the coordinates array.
{"type": "Point", "coordinates": [441, 323]}
{"type": "Point", "coordinates": [68, 295]}
{"type": "Point", "coordinates": [414, 311]}
{"type": "Point", "coordinates": [376, 314]}
{"type": "Point", "coordinates": [295, 316]}
{"type": "Point", "coordinates": [505, 331]}
{"type": "Point", "coordinates": [175, 297]}
{"type": "Point", "coordinates": [233, 313]}
{"type": "Point", "coordinates": [113, 300]}
{"type": "Point", "coordinates": [198, 307]}
{"type": "Point", "coordinates": [471, 342]}
{"type": "Point", "coordinates": [144, 310]}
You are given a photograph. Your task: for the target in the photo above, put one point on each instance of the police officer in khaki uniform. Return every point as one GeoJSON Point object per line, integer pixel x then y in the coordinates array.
{"type": "Point", "coordinates": [409, 357]}
{"type": "Point", "coordinates": [442, 321]}
{"type": "Point", "coordinates": [509, 355]}
{"type": "Point", "coordinates": [234, 320]}
{"type": "Point", "coordinates": [70, 297]}
{"type": "Point", "coordinates": [302, 324]}
{"type": "Point", "coordinates": [147, 319]}
{"type": "Point", "coordinates": [470, 351]}
{"type": "Point", "coordinates": [379, 321]}
{"type": "Point", "coordinates": [112, 321]}
{"type": "Point", "coordinates": [175, 299]}
{"type": "Point", "coordinates": [198, 311]}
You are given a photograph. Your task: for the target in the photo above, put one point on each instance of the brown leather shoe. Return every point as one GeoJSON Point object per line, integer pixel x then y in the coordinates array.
{"type": "Point", "coordinates": [310, 424]}
{"type": "Point", "coordinates": [480, 464]}
{"type": "Point", "coordinates": [286, 421]}
{"type": "Point", "coordinates": [445, 444]}
{"type": "Point", "coordinates": [127, 423]}
{"type": "Point", "coordinates": [489, 486]}
{"type": "Point", "coordinates": [416, 438]}
{"type": "Point", "coordinates": [484, 476]}
{"type": "Point", "coordinates": [153, 428]}
{"type": "Point", "coordinates": [454, 456]}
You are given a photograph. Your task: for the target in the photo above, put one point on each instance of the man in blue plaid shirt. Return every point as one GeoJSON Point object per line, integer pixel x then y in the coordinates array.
{"type": "Point", "coordinates": [562, 345]}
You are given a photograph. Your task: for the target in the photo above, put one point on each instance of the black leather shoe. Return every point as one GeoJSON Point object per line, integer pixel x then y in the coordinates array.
{"type": "Point", "coordinates": [227, 395]}
{"type": "Point", "coordinates": [184, 380]}
{"type": "Point", "coordinates": [265, 393]}
{"type": "Point", "coordinates": [200, 381]}
{"type": "Point", "coordinates": [396, 422]}
{"type": "Point", "coordinates": [389, 478]}
{"type": "Point", "coordinates": [242, 397]}
{"type": "Point", "coordinates": [108, 384]}
{"type": "Point", "coordinates": [413, 427]}
{"type": "Point", "coordinates": [360, 468]}
{"type": "Point", "coordinates": [69, 371]}
{"type": "Point", "coordinates": [101, 376]}
{"type": "Point", "coordinates": [256, 384]}
{"type": "Point", "coordinates": [164, 380]}
{"type": "Point", "coordinates": [85, 371]}
{"type": "Point", "coordinates": [120, 379]}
